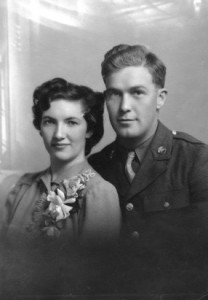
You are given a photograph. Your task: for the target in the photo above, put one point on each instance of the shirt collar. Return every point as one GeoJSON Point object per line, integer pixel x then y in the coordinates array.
{"type": "Point", "coordinates": [140, 150]}
{"type": "Point", "coordinates": [46, 177]}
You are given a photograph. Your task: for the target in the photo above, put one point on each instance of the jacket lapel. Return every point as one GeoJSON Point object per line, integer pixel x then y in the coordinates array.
{"type": "Point", "coordinates": [115, 174]}
{"type": "Point", "coordinates": [155, 161]}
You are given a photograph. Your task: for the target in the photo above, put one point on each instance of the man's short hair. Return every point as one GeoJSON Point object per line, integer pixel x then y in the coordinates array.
{"type": "Point", "coordinates": [122, 56]}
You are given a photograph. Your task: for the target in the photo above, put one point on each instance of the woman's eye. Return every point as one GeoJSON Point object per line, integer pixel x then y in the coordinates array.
{"type": "Point", "coordinates": [71, 123]}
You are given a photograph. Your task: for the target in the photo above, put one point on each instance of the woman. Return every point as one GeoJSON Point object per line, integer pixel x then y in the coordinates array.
{"type": "Point", "coordinates": [69, 200]}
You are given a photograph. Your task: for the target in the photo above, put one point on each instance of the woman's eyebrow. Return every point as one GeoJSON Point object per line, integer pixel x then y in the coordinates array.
{"type": "Point", "coordinates": [47, 117]}
{"type": "Point", "coordinates": [75, 118]}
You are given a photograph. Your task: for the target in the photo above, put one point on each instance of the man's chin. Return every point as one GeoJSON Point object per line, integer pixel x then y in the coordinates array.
{"type": "Point", "coordinates": [127, 134]}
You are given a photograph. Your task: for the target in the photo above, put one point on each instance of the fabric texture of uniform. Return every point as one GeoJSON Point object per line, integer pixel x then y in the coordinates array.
{"type": "Point", "coordinates": [165, 213]}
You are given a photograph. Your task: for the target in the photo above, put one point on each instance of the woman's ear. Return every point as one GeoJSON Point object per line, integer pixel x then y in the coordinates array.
{"type": "Point", "coordinates": [161, 98]}
{"type": "Point", "coordinates": [89, 134]}
{"type": "Point", "coordinates": [40, 133]}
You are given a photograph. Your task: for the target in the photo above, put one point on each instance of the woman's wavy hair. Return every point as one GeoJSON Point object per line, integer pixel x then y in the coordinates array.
{"type": "Point", "coordinates": [59, 88]}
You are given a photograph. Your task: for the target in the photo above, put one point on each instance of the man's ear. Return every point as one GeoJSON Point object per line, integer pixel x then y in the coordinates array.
{"type": "Point", "coordinates": [161, 98]}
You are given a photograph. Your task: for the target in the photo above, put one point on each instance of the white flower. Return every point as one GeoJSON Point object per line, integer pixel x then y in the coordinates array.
{"type": "Point", "coordinates": [79, 185]}
{"type": "Point", "coordinates": [58, 206]}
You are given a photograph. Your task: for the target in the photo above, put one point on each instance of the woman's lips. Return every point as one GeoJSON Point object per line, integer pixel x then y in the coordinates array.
{"type": "Point", "coordinates": [59, 145]}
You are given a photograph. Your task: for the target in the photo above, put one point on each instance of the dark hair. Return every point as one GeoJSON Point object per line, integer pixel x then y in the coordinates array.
{"type": "Point", "coordinates": [59, 88]}
{"type": "Point", "coordinates": [122, 56]}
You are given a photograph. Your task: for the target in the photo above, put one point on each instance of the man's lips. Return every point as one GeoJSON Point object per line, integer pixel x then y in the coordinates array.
{"type": "Point", "coordinates": [121, 120]}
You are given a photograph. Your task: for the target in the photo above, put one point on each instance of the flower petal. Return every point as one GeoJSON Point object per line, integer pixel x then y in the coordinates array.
{"type": "Point", "coordinates": [51, 196]}
{"type": "Point", "coordinates": [60, 213]}
{"type": "Point", "coordinates": [59, 200]}
{"type": "Point", "coordinates": [68, 208]}
{"type": "Point", "coordinates": [61, 195]}
{"type": "Point", "coordinates": [70, 200]}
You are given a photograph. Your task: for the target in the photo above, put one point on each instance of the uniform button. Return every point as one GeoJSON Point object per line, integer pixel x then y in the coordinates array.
{"type": "Point", "coordinates": [135, 234]}
{"type": "Point", "coordinates": [129, 206]}
{"type": "Point", "coordinates": [166, 204]}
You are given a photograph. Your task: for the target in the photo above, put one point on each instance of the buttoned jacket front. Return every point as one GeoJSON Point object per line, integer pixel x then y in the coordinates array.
{"type": "Point", "coordinates": [165, 209]}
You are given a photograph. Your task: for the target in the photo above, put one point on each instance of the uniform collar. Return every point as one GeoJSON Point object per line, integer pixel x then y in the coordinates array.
{"type": "Point", "coordinates": [142, 149]}
{"type": "Point", "coordinates": [161, 145]}
{"type": "Point", "coordinates": [155, 161]}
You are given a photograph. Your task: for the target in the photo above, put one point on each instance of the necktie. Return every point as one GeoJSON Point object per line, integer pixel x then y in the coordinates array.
{"type": "Point", "coordinates": [128, 167]}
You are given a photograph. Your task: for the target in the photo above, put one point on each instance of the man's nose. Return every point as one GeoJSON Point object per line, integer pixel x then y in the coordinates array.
{"type": "Point", "coordinates": [125, 104]}
{"type": "Point", "coordinates": [59, 131]}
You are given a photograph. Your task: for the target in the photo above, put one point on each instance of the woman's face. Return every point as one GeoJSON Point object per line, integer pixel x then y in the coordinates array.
{"type": "Point", "coordinates": [64, 131]}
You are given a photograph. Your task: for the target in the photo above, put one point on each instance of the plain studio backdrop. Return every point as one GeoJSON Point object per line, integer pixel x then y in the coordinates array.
{"type": "Point", "coordinates": [43, 39]}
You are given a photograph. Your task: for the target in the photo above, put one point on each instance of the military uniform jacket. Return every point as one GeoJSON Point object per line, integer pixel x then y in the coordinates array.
{"type": "Point", "coordinates": [165, 209]}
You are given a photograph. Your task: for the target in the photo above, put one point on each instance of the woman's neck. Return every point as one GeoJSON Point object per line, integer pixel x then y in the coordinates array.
{"type": "Point", "coordinates": [61, 171]}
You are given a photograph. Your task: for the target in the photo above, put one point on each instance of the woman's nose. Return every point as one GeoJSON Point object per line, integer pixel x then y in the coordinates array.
{"type": "Point", "coordinates": [59, 131]}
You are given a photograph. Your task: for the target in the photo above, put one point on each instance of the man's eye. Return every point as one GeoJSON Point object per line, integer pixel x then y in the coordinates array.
{"type": "Point", "coordinates": [115, 93]}
{"type": "Point", "coordinates": [48, 122]}
{"type": "Point", "coordinates": [111, 94]}
{"type": "Point", "coordinates": [137, 92]}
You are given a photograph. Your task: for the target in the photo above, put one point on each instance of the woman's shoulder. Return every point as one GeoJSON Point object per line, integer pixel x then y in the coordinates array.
{"type": "Point", "coordinates": [30, 178]}
{"type": "Point", "coordinates": [98, 184]}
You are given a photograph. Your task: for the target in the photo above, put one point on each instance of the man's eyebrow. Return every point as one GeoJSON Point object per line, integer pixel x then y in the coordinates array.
{"type": "Point", "coordinates": [112, 89]}
{"type": "Point", "coordinates": [139, 87]}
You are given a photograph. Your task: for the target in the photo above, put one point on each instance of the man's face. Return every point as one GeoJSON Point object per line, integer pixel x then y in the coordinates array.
{"type": "Point", "coordinates": [133, 102]}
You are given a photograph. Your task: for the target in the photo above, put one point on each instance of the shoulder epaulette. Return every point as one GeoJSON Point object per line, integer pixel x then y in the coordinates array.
{"type": "Point", "coordinates": [179, 135]}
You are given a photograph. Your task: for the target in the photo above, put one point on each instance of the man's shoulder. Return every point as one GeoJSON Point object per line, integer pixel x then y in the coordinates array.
{"type": "Point", "coordinates": [175, 139]}
{"type": "Point", "coordinates": [99, 185]}
{"type": "Point", "coordinates": [102, 156]}
{"type": "Point", "coordinates": [183, 136]}
{"type": "Point", "coordinates": [189, 144]}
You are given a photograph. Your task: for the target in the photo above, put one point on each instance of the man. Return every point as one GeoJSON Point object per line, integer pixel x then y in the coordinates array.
{"type": "Point", "coordinates": [162, 183]}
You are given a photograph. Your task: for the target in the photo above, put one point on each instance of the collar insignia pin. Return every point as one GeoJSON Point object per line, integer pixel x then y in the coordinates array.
{"type": "Point", "coordinates": [111, 154]}
{"type": "Point", "coordinates": [161, 150]}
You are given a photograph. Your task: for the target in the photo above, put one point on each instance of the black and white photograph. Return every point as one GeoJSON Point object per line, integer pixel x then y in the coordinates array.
{"type": "Point", "coordinates": [103, 150]}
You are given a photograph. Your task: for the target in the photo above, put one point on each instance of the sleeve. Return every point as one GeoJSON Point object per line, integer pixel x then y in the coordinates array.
{"type": "Point", "coordinates": [199, 196]}
{"type": "Point", "coordinates": [10, 199]}
{"type": "Point", "coordinates": [101, 215]}
{"type": "Point", "coordinates": [199, 176]}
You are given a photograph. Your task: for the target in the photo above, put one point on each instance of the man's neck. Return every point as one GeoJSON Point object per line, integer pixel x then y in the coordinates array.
{"type": "Point", "coordinates": [133, 143]}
